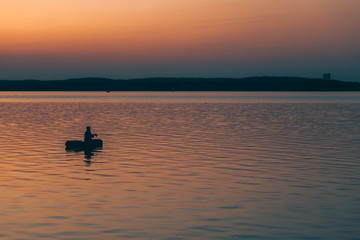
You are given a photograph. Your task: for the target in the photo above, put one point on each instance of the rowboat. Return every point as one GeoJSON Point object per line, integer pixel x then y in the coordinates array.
{"type": "Point", "coordinates": [81, 145]}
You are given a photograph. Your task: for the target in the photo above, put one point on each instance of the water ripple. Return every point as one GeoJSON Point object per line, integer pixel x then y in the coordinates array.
{"type": "Point", "coordinates": [180, 171]}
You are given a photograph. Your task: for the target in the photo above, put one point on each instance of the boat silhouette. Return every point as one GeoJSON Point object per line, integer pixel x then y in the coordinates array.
{"type": "Point", "coordinates": [83, 145]}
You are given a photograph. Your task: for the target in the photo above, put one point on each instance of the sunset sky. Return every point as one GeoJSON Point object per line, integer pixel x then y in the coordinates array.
{"type": "Point", "coordinates": [59, 39]}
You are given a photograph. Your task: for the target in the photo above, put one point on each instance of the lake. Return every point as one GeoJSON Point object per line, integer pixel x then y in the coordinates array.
{"type": "Point", "coordinates": [182, 165]}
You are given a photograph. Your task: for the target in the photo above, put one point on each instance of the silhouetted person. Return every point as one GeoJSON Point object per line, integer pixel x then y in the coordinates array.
{"type": "Point", "coordinates": [88, 136]}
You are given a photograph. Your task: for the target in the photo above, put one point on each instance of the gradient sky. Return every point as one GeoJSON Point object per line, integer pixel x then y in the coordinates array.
{"type": "Point", "coordinates": [58, 39]}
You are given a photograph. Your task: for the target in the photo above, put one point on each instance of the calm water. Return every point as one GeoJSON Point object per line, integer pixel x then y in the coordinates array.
{"type": "Point", "coordinates": [181, 166]}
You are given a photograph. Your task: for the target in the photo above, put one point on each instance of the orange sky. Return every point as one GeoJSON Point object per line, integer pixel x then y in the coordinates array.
{"type": "Point", "coordinates": [178, 38]}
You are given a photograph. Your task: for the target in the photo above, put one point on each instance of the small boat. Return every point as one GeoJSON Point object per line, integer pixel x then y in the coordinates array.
{"type": "Point", "coordinates": [81, 145]}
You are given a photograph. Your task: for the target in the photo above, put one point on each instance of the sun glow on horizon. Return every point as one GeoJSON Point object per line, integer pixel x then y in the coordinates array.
{"type": "Point", "coordinates": [153, 30]}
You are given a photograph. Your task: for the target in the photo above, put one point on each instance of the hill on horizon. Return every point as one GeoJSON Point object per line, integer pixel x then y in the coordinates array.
{"type": "Point", "coordinates": [181, 84]}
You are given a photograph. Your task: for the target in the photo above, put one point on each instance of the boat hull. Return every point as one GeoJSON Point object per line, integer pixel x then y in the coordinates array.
{"type": "Point", "coordinates": [81, 145]}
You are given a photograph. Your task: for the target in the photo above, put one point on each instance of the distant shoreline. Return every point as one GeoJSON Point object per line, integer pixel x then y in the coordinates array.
{"type": "Point", "coordinates": [182, 84]}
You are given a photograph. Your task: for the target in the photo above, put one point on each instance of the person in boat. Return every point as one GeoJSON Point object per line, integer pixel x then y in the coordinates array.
{"type": "Point", "coordinates": [88, 136]}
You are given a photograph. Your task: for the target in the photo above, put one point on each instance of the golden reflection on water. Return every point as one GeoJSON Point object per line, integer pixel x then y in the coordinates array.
{"type": "Point", "coordinates": [180, 170]}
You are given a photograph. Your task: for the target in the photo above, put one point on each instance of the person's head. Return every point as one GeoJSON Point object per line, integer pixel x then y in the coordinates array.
{"type": "Point", "coordinates": [88, 128]}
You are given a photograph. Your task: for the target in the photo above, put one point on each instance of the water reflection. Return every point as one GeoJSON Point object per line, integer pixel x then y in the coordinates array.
{"type": "Point", "coordinates": [180, 171]}
{"type": "Point", "coordinates": [89, 153]}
